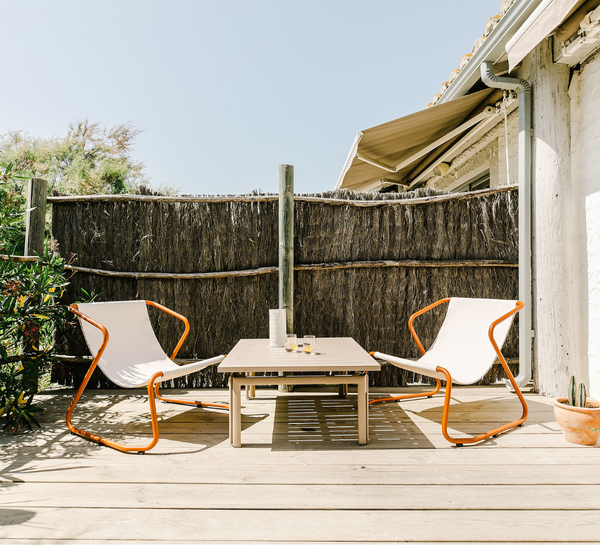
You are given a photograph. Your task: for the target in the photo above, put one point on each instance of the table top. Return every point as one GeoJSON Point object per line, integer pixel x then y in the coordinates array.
{"type": "Point", "coordinates": [333, 354]}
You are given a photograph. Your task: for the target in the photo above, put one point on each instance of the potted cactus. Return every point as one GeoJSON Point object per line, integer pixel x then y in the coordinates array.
{"type": "Point", "coordinates": [578, 415]}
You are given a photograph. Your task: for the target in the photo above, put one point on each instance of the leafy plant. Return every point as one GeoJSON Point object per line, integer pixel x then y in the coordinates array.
{"type": "Point", "coordinates": [29, 312]}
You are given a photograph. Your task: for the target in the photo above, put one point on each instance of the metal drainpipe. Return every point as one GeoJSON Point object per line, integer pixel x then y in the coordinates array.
{"type": "Point", "coordinates": [523, 88]}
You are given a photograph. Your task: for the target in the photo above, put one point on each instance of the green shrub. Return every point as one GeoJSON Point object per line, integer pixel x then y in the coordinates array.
{"type": "Point", "coordinates": [29, 312]}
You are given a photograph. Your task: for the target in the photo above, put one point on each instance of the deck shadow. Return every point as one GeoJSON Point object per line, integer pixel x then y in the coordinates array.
{"type": "Point", "coordinates": [328, 422]}
{"type": "Point", "coordinates": [12, 517]}
{"type": "Point", "coordinates": [103, 415]}
{"type": "Point", "coordinates": [470, 418]}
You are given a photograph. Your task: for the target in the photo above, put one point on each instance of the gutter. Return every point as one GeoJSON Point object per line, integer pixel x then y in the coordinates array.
{"type": "Point", "coordinates": [492, 48]}
{"type": "Point", "coordinates": [523, 89]}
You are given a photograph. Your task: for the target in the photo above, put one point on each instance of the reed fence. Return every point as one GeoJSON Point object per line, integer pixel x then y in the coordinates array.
{"type": "Point", "coordinates": [363, 264]}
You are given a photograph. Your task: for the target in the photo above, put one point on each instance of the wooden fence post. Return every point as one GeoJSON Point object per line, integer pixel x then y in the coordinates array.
{"type": "Point", "coordinates": [286, 249]}
{"type": "Point", "coordinates": [286, 243]}
{"type": "Point", "coordinates": [35, 227]}
{"type": "Point", "coordinates": [36, 216]}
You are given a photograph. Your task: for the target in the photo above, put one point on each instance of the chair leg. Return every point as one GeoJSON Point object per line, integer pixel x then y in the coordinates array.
{"type": "Point", "coordinates": [107, 442]}
{"type": "Point", "coordinates": [469, 440]}
{"type": "Point", "coordinates": [407, 396]}
{"type": "Point", "coordinates": [193, 403]}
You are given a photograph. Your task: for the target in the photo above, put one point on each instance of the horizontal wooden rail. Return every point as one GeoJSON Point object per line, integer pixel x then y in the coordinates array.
{"type": "Point", "coordinates": [311, 267]}
{"type": "Point", "coordinates": [75, 359]}
{"type": "Point", "coordinates": [273, 198]}
{"type": "Point", "coordinates": [88, 359]}
{"type": "Point", "coordinates": [173, 276]}
{"type": "Point", "coordinates": [19, 258]}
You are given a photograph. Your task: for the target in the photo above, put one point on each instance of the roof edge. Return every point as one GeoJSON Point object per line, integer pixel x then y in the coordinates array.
{"type": "Point", "coordinates": [492, 49]}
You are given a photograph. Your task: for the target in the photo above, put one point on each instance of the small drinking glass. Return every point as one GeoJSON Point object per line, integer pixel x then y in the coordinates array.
{"type": "Point", "coordinates": [309, 344]}
{"type": "Point", "coordinates": [291, 342]}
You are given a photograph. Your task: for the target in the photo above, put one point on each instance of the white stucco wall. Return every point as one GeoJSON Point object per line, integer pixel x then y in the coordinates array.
{"type": "Point", "coordinates": [587, 157]}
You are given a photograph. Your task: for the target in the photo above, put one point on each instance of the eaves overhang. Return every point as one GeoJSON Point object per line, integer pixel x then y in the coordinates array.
{"type": "Point", "coordinates": [492, 49]}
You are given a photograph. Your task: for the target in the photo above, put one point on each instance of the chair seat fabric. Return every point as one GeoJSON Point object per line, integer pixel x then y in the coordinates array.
{"type": "Point", "coordinates": [138, 375]}
{"type": "Point", "coordinates": [133, 354]}
{"type": "Point", "coordinates": [411, 365]}
{"type": "Point", "coordinates": [462, 345]}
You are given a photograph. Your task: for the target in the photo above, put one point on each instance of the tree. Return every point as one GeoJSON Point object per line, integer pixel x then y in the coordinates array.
{"type": "Point", "coordinates": [88, 160]}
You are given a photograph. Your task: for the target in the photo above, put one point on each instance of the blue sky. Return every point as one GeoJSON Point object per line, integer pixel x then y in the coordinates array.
{"type": "Point", "coordinates": [226, 90]}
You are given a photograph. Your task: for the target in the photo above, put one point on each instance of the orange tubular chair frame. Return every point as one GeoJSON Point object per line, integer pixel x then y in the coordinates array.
{"type": "Point", "coordinates": [153, 386]}
{"type": "Point", "coordinates": [446, 413]}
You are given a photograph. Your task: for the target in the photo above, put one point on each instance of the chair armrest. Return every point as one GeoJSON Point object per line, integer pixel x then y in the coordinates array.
{"type": "Point", "coordinates": [180, 317]}
{"type": "Point", "coordinates": [517, 308]}
{"type": "Point", "coordinates": [74, 309]}
{"type": "Point", "coordinates": [418, 313]}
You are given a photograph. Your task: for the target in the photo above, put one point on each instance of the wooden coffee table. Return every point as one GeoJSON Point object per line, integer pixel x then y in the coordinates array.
{"type": "Point", "coordinates": [337, 355]}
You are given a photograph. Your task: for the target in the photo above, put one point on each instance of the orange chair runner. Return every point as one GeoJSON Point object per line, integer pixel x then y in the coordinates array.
{"type": "Point", "coordinates": [465, 349]}
{"type": "Point", "coordinates": [125, 348]}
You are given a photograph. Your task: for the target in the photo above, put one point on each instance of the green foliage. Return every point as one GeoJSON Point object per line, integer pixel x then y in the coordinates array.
{"type": "Point", "coordinates": [29, 313]}
{"type": "Point", "coordinates": [12, 218]}
{"type": "Point", "coordinates": [88, 160]}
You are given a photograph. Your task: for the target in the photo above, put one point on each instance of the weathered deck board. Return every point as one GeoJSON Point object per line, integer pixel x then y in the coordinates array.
{"type": "Point", "coordinates": [235, 542]}
{"type": "Point", "coordinates": [291, 496]}
{"type": "Point", "coordinates": [159, 472]}
{"type": "Point", "coordinates": [301, 525]}
{"type": "Point", "coordinates": [300, 477]}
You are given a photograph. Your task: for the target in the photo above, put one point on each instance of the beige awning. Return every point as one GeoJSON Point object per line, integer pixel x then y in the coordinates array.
{"type": "Point", "coordinates": [386, 154]}
{"type": "Point", "coordinates": [540, 24]}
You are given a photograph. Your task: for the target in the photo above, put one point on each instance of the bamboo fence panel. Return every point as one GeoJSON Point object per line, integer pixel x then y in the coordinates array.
{"type": "Point", "coordinates": [364, 263]}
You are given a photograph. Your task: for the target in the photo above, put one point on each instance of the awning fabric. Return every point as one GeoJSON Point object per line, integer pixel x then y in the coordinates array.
{"type": "Point", "coordinates": [540, 24]}
{"type": "Point", "coordinates": [398, 140]}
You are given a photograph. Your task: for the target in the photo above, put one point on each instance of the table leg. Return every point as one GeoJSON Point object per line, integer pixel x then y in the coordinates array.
{"type": "Point", "coordinates": [368, 406]}
{"type": "Point", "coordinates": [363, 410]}
{"type": "Point", "coordinates": [343, 388]}
{"type": "Point", "coordinates": [235, 413]}
{"type": "Point", "coordinates": [250, 388]}
{"type": "Point", "coordinates": [230, 409]}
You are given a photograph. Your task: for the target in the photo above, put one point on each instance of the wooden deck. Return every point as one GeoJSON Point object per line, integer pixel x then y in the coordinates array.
{"type": "Point", "coordinates": [300, 477]}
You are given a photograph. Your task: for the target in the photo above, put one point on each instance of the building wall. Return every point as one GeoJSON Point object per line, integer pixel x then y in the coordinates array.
{"type": "Point", "coordinates": [556, 341]}
{"type": "Point", "coordinates": [586, 167]}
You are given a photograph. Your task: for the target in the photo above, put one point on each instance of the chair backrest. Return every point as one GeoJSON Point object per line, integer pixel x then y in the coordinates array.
{"type": "Point", "coordinates": [462, 345]}
{"type": "Point", "coordinates": [132, 342]}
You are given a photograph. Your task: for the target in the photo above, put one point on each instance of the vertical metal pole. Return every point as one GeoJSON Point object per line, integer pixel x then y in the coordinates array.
{"type": "Point", "coordinates": [525, 229]}
{"type": "Point", "coordinates": [36, 217]}
{"type": "Point", "coordinates": [286, 249]}
{"type": "Point", "coordinates": [525, 233]}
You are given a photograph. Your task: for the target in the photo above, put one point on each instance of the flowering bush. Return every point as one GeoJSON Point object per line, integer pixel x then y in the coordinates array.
{"type": "Point", "coordinates": [29, 312]}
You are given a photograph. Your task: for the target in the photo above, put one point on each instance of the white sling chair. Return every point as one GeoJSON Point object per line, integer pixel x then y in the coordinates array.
{"type": "Point", "coordinates": [124, 345]}
{"type": "Point", "coordinates": [464, 350]}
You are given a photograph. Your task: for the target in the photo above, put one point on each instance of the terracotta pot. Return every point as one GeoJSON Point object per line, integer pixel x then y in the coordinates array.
{"type": "Point", "coordinates": [575, 421]}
